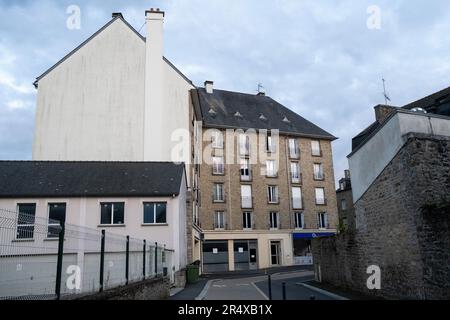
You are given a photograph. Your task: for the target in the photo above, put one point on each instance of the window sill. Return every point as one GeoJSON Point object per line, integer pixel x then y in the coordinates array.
{"type": "Point", "coordinates": [52, 239]}
{"type": "Point", "coordinates": [23, 240]}
{"type": "Point", "coordinates": [218, 174]}
{"type": "Point", "coordinates": [218, 201]}
{"type": "Point", "coordinates": [272, 177]}
{"type": "Point", "coordinates": [316, 179]}
{"type": "Point", "coordinates": [274, 203]}
{"type": "Point", "coordinates": [154, 225]}
{"type": "Point", "coordinates": [111, 226]}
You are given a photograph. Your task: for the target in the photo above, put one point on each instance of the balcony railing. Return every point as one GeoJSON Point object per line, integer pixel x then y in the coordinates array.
{"type": "Point", "coordinates": [218, 170]}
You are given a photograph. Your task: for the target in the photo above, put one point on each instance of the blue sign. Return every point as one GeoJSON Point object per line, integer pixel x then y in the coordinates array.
{"type": "Point", "coordinates": [313, 235]}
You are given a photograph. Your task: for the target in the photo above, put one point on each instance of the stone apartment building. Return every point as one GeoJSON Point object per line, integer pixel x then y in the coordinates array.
{"type": "Point", "coordinates": [263, 193]}
{"type": "Point", "coordinates": [344, 199]}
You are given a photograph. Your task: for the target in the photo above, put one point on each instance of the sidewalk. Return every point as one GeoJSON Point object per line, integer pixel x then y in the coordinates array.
{"type": "Point", "coordinates": [191, 291]}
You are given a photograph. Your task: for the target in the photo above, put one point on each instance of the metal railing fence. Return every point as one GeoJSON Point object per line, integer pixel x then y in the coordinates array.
{"type": "Point", "coordinates": [46, 259]}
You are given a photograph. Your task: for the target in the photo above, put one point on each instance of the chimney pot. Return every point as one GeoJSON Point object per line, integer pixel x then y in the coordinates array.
{"type": "Point", "coordinates": [383, 111]}
{"type": "Point", "coordinates": [209, 86]}
{"type": "Point", "coordinates": [117, 14]}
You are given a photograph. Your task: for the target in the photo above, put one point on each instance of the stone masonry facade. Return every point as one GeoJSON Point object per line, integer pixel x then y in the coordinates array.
{"type": "Point", "coordinates": [402, 226]}
{"type": "Point", "coordinates": [231, 180]}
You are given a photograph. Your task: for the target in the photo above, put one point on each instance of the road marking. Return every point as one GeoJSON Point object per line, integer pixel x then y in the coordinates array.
{"type": "Point", "coordinates": [260, 291]}
{"type": "Point", "coordinates": [326, 293]}
{"type": "Point", "coordinates": [202, 294]}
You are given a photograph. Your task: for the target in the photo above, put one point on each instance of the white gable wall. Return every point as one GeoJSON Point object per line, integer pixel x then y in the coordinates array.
{"type": "Point", "coordinates": [90, 107]}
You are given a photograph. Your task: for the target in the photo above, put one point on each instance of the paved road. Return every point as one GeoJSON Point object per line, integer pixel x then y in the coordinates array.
{"type": "Point", "coordinates": [256, 288]}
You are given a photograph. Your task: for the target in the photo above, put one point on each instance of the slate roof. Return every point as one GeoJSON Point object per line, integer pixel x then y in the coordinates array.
{"type": "Point", "coordinates": [227, 109]}
{"type": "Point", "coordinates": [89, 179]}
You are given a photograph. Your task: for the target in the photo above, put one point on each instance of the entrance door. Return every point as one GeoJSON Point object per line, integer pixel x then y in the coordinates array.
{"type": "Point", "coordinates": [275, 253]}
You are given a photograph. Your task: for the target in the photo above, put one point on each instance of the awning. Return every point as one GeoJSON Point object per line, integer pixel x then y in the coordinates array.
{"type": "Point", "coordinates": [312, 235]}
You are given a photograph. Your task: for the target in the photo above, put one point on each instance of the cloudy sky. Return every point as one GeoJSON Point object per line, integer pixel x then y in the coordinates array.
{"type": "Point", "coordinates": [317, 57]}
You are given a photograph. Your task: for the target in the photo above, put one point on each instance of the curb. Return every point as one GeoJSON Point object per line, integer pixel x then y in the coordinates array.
{"type": "Point", "coordinates": [326, 293]}
{"type": "Point", "coordinates": [203, 293]}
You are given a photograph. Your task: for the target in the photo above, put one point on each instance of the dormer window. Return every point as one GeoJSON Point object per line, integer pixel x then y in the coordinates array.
{"type": "Point", "coordinates": [238, 115]}
{"type": "Point", "coordinates": [286, 120]}
{"type": "Point", "coordinates": [212, 112]}
{"type": "Point", "coordinates": [262, 118]}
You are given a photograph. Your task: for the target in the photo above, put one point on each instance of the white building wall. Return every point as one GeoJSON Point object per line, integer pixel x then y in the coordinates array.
{"type": "Point", "coordinates": [85, 212]}
{"type": "Point", "coordinates": [90, 107]}
{"type": "Point", "coordinates": [367, 163]}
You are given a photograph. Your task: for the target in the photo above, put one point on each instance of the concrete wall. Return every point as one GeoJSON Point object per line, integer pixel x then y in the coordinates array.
{"type": "Point", "coordinates": [85, 212]}
{"type": "Point", "coordinates": [92, 106]}
{"type": "Point", "coordinates": [370, 160]}
{"type": "Point", "coordinates": [395, 232]}
{"type": "Point", "coordinates": [153, 289]}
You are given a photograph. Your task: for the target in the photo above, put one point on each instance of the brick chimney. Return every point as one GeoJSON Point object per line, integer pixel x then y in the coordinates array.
{"type": "Point", "coordinates": [383, 111]}
{"type": "Point", "coordinates": [154, 79]}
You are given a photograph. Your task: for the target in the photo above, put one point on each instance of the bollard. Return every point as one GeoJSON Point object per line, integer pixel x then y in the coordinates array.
{"type": "Point", "coordinates": [270, 287]}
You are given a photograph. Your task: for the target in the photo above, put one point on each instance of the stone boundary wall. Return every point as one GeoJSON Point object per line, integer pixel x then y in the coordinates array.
{"type": "Point", "coordinates": [153, 289]}
{"type": "Point", "coordinates": [402, 225]}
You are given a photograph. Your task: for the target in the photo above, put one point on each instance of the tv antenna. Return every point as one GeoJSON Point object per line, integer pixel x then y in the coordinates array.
{"type": "Point", "coordinates": [261, 89]}
{"type": "Point", "coordinates": [386, 96]}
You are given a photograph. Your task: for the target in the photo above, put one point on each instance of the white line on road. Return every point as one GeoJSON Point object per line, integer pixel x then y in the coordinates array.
{"type": "Point", "coordinates": [260, 291]}
{"type": "Point", "coordinates": [326, 293]}
{"type": "Point", "coordinates": [202, 294]}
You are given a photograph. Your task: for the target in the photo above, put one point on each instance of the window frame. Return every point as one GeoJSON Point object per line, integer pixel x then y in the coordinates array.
{"type": "Point", "coordinates": [273, 194]}
{"type": "Point", "coordinates": [216, 193]}
{"type": "Point", "coordinates": [295, 179]}
{"type": "Point", "coordinates": [323, 225]}
{"type": "Point", "coordinates": [247, 218]}
{"type": "Point", "coordinates": [217, 141]}
{"type": "Point", "coordinates": [112, 213]}
{"type": "Point", "coordinates": [318, 203]}
{"type": "Point", "coordinates": [319, 154]}
{"type": "Point", "coordinates": [49, 204]}
{"type": "Point", "coordinates": [275, 214]}
{"type": "Point", "coordinates": [154, 213]}
{"type": "Point", "coordinates": [217, 221]}
{"type": "Point", "coordinates": [220, 165]}
{"type": "Point", "coordinates": [274, 168]}
{"type": "Point", "coordinates": [301, 198]}
{"type": "Point", "coordinates": [320, 175]}
{"type": "Point", "coordinates": [294, 151]}
{"type": "Point", "coordinates": [22, 225]}
{"type": "Point", "coordinates": [301, 220]}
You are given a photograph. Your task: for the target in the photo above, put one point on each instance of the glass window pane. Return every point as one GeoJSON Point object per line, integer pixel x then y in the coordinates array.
{"type": "Point", "coordinates": [149, 213]}
{"type": "Point", "coordinates": [119, 214]}
{"type": "Point", "coordinates": [27, 213]}
{"type": "Point", "coordinates": [161, 213]}
{"type": "Point", "coordinates": [25, 232]}
{"type": "Point", "coordinates": [57, 212]}
{"type": "Point", "coordinates": [106, 213]}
